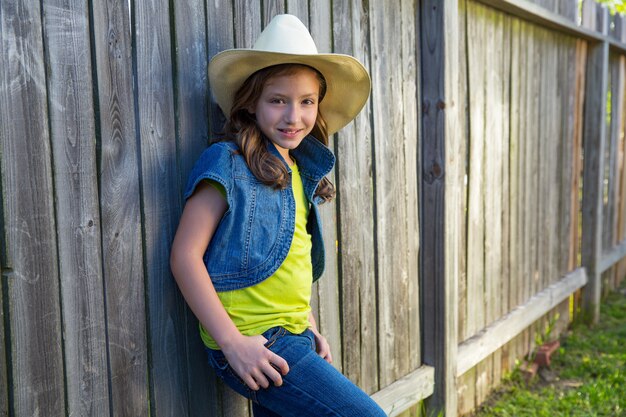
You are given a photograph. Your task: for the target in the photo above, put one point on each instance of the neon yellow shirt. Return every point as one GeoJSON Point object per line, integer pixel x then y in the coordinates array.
{"type": "Point", "coordinates": [284, 298]}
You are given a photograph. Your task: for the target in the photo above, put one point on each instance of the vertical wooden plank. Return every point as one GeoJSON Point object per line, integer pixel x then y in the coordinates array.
{"type": "Point", "coordinates": [220, 36]}
{"type": "Point", "coordinates": [122, 254]}
{"type": "Point", "coordinates": [516, 147]}
{"type": "Point", "coordinates": [5, 384]}
{"type": "Point", "coordinates": [30, 272]}
{"type": "Point", "coordinates": [355, 199]}
{"type": "Point", "coordinates": [72, 129]}
{"type": "Point", "coordinates": [390, 196]}
{"type": "Point", "coordinates": [619, 32]}
{"type": "Point", "coordinates": [476, 192]}
{"type": "Point", "coordinates": [532, 158]}
{"type": "Point", "coordinates": [553, 75]}
{"type": "Point", "coordinates": [247, 23]}
{"type": "Point", "coordinates": [494, 112]}
{"type": "Point", "coordinates": [411, 138]}
{"type": "Point", "coordinates": [594, 141]}
{"type": "Point", "coordinates": [463, 125]}
{"type": "Point", "coordinates": [155, 112]}
{"type": "Point", "coordinates": [327, 288]}
{"type": "Point", "coordinates": [466, 392]}
{"type": "Point", "coordinates": [505, 69]}
{"type": "Point", "coordinates": [566, 88]}
{"type": "Point", "coordinates": [568, 9]}
{"type": "Point", "coordinates": [581, 54]}
{"type": "Point", "coordinates": [440, 199]}
{"type": "Point", "coordinates": [299, 8]}
{"type": "Point", "coordinates": [192, 131]}
{"type": "Point", "coordinates": [272, 8]}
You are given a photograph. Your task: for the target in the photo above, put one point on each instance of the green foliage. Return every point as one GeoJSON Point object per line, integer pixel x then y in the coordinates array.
{"type": "Point", "coordinates": [590, 370]}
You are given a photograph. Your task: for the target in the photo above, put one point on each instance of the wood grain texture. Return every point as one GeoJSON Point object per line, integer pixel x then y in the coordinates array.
{"type": "Point", "coordinates": [476, 188]}
{"type": "Point", "coordinates": [463, 126]}
{"type": "Point", "coordinates": [30, 269]}
{"type": "Point", "coordinates": [566, 91]}
{"type": "Point", "coordinates": [406, 392]}
{"type": "Point", "coordinates": [327, 288]}
{"type": "Point", "coordinates": [192, 131]}
{"type": "Point", "coordinates": [594, 138]}
{"type": "Point", "coordinates": [494, 336]}
{"type": "Point", "coordinates": [357, 250]}
{"type": "Point", "coordinates": [159, 172]}
{"type": "Point", "coordinates": [247, 22]}
{"type": "Point", "coordinates": [300, 9]}
{"type": "Point", "coordinates": [440, 198]}
{"type": "Point", "coordinates": [122, 253]}
{"type": "Point", "coordinates": [412, 142]}
{"type": "Point", "coordinates": [394, 196]}
{"type": "Point", "coordinates": [72, 130]}
{"type": "Point", "coordinates": [505, 172]}
{"type": "Point", "coordinates": [220, 36]}
{"type": "Point", "coordinates": [5, 388]}
{"type": "Point", "coordinates": [272, 8]}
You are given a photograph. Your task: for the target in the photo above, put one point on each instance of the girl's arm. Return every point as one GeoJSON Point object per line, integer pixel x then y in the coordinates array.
{"type": "Point", "coordinates": [247, 355]}
{"type": "Point", "coordinates": [323, 348]}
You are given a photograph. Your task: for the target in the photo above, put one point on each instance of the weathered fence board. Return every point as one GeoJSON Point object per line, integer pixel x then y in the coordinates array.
{"type": "Point", "coordinates": [160, 212]}
{"type": "Point", "coordinates": [72, 131]}
{"type": "Point", "coordinates": [122, 253]}
{"type": "Point", "coordinates": [220, 36]}
{"type": "Point", "coordinates": [594, 137]}
{"type": "Point", "coordinates": [442, 176]}
{"type": "Point", "coordinates": [191, 90]}
{"type": "Point", "coordinates": [356, 215]}
{"type": "Point", "coordinates": [492, 337]}
{"type": "Point", "coordinates": [327, 289]}
{"type": "Point", "coordinates": [394, 194]}
{"type": "Point", "coordinates": [30, 272]}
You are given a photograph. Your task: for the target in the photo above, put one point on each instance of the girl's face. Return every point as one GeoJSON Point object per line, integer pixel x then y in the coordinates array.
{"type": "Point", "coordinates": [287, 109]}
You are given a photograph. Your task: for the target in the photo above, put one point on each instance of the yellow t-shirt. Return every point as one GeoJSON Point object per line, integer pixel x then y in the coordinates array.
{"type": "Point", "coordinates": [283, 299]}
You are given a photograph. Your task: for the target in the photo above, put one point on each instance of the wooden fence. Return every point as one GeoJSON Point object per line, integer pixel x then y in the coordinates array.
{"type": "Point", "coordinates": [455, 234]}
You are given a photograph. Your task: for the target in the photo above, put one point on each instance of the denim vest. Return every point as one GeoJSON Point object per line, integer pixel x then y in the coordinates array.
{"type": "Point", "coordinates": [254, 235]}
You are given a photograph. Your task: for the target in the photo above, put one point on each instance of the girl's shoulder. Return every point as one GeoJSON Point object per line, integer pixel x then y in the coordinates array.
{"type": "Point", "coordinates": [216, 163]}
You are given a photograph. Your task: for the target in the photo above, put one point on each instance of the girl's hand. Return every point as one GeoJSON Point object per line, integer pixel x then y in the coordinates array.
{"type": "Point", "coordinates": [254, 363]}
{"type": "Point", "coordinates": [323, 348]}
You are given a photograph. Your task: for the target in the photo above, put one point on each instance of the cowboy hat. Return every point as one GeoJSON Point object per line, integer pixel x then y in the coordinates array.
{"type": "Point", "coordinates": [286, 40]}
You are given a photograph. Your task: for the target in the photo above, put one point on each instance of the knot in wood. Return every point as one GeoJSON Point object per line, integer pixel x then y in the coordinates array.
{"type": "Point", "coordinates": [435, 172]}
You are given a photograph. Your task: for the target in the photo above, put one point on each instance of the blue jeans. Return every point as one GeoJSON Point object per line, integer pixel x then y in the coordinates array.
{"type": "Point", "coordinates": [312, 387]}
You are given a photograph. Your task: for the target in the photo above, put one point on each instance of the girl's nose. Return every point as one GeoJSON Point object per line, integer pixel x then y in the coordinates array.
{"type": "Point", "coordinates": [292, 114]}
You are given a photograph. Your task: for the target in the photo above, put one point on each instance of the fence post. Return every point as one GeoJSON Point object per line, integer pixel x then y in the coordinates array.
{"type": "Point", "coordinates": [594, 138]}
{"type": "Point", "coordinates": [440, 199]}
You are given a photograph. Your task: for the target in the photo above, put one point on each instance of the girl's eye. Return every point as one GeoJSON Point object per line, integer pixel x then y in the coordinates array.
{"type": "Point", "coordinates": [309, 101]}
{"type": "Point", "coordinates": [277, 101]}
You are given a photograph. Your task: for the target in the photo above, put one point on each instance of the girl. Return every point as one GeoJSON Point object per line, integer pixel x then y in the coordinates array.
{"type": "Point", "coordinates": [249, 243]}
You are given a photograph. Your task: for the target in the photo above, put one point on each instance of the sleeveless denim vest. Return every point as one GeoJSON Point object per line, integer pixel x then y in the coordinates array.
{"type": "Point", "coordinates": [254, 235]}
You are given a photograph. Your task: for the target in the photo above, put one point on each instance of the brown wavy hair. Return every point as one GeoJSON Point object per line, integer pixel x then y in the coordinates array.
{"type": "Point", "coordinates": [242, 129]}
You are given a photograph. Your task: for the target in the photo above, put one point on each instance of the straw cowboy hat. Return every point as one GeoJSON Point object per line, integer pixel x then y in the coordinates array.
{"type": "Point", "coordinates": [286, 40]}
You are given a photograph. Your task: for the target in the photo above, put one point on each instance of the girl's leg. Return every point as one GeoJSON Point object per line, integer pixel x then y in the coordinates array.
{"type": "Point", "coordinates": [312, 388]}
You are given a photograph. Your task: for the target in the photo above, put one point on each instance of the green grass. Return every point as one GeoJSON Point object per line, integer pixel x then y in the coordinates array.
{"type": "Point", "coordinates": [589, 374]}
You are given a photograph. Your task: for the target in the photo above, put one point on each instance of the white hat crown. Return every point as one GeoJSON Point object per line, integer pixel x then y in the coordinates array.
{"type": "Point", "coordinates": [286, 34]}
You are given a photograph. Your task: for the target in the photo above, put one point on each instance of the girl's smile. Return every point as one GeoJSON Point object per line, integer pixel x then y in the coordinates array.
{"type": "Point", "coordinates": [287, 109]}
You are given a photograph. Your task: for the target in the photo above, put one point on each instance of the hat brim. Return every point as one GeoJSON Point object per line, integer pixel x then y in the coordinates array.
{"type": "Point", "coordinates": [348, 83]}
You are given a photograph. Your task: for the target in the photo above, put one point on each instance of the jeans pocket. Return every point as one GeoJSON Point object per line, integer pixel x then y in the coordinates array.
{"type": "Point", "coordinates": [226, 373]}
{"type": "Point", "coordinates": [273, 334]}
{"type": "Point", "coordinates": [308, 333]}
